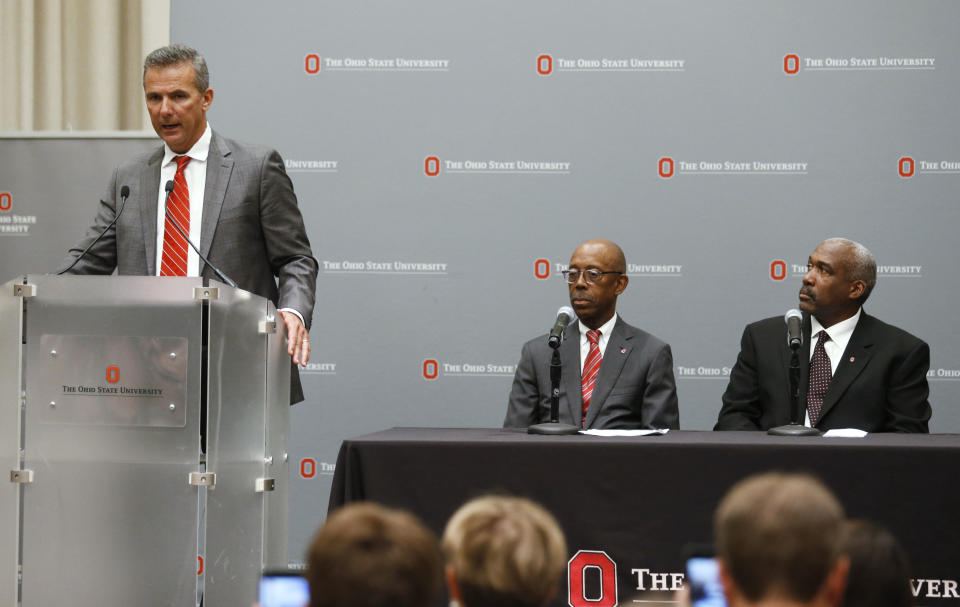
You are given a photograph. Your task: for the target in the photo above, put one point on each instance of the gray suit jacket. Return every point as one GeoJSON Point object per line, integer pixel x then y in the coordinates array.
{"type": "Point", "coordinates": [635, 387]}
{"type": "Point", "coordinates": [252, 228]}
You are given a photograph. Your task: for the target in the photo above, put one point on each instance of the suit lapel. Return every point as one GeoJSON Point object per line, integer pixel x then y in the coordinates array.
{"type": "Point", "coordinates": [570, 362]}
{"type": "Point", "coordinates": [149, 197]}
{"type": "Point", "coordinates": [219, 168]}
{"type": "Point", "coordinates": [854, 359]}
{"type": "Point", "coordinates": [614, 357]}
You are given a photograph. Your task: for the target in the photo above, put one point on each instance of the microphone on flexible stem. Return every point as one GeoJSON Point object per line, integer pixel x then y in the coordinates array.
{"type": "Point", "coordinates": [564, 316]}
{"type": "Point", "coordinates": [794, 320]}
{"type": "Point", "coordinates": [124, 193]}
{"type": "Point", "coordinates": [168, 187]}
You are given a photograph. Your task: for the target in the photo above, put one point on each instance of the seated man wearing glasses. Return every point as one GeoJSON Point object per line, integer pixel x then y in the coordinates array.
{"type": "Point", "coordinates": [614, 376]}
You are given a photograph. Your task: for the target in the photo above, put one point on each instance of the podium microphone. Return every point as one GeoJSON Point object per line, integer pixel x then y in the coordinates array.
{"type": "Point", "coordinates": [124, 193]}
{"type": "Point", "coordinates": [794, 320]}
{"type": "Point", "coordinates": [564, 316]}
{"type": "Point", "coordinates": [168, 187]}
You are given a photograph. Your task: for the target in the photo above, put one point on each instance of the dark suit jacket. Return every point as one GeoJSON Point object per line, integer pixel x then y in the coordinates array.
{"type": "Point", "coordinates": [880, 384]}
{"type": "Point", "coordinates": [635, 387]}
{"type": "Point", "coordinates": [252, 228]}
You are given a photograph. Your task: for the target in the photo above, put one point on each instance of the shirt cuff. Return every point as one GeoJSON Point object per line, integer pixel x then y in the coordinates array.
{"type": "Point", "coordinates": [298, 314]}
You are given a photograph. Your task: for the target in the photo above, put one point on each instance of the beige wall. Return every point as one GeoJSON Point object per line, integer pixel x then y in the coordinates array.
{"type": "Point", "coordinates": [74, 65]}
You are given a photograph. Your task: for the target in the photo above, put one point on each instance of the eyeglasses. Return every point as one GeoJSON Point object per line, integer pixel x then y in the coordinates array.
{"type": "Point", "coordinates": [591, 276]}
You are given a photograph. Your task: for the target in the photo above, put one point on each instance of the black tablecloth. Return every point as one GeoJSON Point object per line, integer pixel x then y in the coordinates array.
{"type": "Point", "coordinates": [640, 499]}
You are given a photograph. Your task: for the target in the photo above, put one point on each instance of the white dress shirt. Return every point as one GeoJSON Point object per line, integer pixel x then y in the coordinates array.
{"type": "Point", "coordinates": [605, 330]}
{"type": "Point", "coordinates": [196, 176]}
{"type": "Point", "coordinates": [839, 334]}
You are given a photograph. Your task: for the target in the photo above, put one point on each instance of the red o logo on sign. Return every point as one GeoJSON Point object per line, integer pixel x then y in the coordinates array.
{"type": "Point", "coordinates": [308, 467]}
{"type": "Point", "coordinates": [665, 167]}
{"type": "Point", "coordinates": [541, 269]}
{"type": "Point", "coordinates": [791, 64]}
{"type": "Point", "coordinates": [778, 269]}
{"type": "Point", "coordinates": [113, 374]}
{"type": "Point", "coordinates": [6, 201]}
{"type": "Point", "coordinates": [577, 567]}
{"type": "Point", "coordinates": [544, 65]}
{"type": "Point", "coordinates": [431, 369]}
{"type": "Point", "coordinates": [312, 63]}
{"type": "Point", "coordinates": [431, 166]}
{"type": "Point", "coordinates": [905, 167]}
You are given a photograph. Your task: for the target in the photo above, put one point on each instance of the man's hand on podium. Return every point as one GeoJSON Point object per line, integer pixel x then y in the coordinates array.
{"type": "Point", "coordinates": [298, 339]}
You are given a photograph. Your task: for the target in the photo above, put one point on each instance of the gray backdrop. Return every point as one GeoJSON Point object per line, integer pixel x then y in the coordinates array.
{"type": "Point", "coordinates": [783, 124]}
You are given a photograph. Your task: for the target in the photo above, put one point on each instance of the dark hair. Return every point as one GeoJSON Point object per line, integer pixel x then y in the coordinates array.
{"type": "Point", "coordinates": [366, 555]}
{"type": "Point", "coordinates": [879, 568]}
{"type": "Point", "coordinates": [179, 53]}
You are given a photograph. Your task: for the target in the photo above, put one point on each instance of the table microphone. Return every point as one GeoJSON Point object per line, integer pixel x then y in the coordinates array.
{"type": "Point", "coordinates": [794, 320]}
{"type": "Point", "coordinates": [564, 316]}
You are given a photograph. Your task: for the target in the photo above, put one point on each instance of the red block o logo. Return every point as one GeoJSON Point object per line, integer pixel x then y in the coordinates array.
{"type": "Point", "coordinates": [576, 572]}
{"type": "Point", "coordinates": [905, 167]}
{"type": "Point", "coordinates": [431, 369]}
{"type": "Point", "coordinates": [199, 565]}
{"type": "Point", "coordinates": [791, 64]}
{"type": "Point", "coordinates": [308, 467]}
{"type": "Point", "coordinates": [541, 269]}
{"type": "Point", "coordinates": [544, 65]}
{"type": "Point", "coordinates": [778, 270]}
{"type": "Point", "coordinates": [431, 166]}
{"type": "Point", "coordinates": [665, 167]}
{"type": "Point", "coordinates": [312, 63]}
{"type": "Point", "coordinates": [6, 201]}
{"type": "Point", "coordinates": [113, 374]}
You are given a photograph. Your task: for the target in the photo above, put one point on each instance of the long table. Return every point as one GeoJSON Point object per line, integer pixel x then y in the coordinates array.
{"type": "Point", "coordinates": [635, 501]}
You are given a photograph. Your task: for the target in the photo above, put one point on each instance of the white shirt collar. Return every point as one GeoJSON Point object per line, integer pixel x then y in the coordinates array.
{"type": "Point", "coordinates": [605, 329]}
{"type": "Point", "coordinates": [839, 333]}
{"type": "Point", "coordinates": [198, 152]}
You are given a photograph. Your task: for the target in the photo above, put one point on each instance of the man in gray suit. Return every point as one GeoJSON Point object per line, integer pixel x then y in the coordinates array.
{"type": "Point", "coordinates": [614, 376]}
{"type": "Point", "coordinates": [236, 201]}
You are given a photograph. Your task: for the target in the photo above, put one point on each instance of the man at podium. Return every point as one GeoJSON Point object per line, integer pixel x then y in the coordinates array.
{"type": "Point", "coordinates": [233, 200]}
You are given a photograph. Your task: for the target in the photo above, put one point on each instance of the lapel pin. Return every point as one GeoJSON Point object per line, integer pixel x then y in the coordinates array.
{"type": "Point", "coordinates": [852, 358]}
{"type": "Point", "coordinates": [623, 350]}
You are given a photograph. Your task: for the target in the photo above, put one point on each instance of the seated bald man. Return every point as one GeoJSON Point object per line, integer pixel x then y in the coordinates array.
{"type": "Point", "coordinates": [614, 376]}
{"type": "Point", "coordinates": [855, 370]}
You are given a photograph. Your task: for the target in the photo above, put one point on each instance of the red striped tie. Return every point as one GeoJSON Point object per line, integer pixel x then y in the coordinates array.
{"type": "Point", "coordinates": [174, 260]}
{"type": "Point", "coordinates": [591, 368]}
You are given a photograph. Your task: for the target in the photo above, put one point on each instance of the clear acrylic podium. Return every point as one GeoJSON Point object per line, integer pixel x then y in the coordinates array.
{"type": "Point", "coordinates": [110, 499]}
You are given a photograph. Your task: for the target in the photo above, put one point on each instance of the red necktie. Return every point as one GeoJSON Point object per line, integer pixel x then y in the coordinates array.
{"type": "Point", "coordinates": [821, 373]}
{"type": "Point", "coordinates": [591, 368]}
{"type": "Point", "coordinates": [174, 260]}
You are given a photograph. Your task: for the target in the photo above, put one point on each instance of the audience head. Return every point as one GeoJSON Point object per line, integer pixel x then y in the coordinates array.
{"type": "Point", "coordinates": [366, 555]}
{"type": "Point", "coordinates": [777, 539]}
{"type": "Point", "coordinates": [879, 569]}
{"type": "Point", "coordinates": [503, 552]}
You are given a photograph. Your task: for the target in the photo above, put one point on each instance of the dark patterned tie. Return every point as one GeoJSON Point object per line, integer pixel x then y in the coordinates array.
{"type": "Point", "coordinates": [173, 262]}
{"type": "Point", "coordinates": [591, 368]}
{"type": "Point", "coordinates": [820, 375]}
